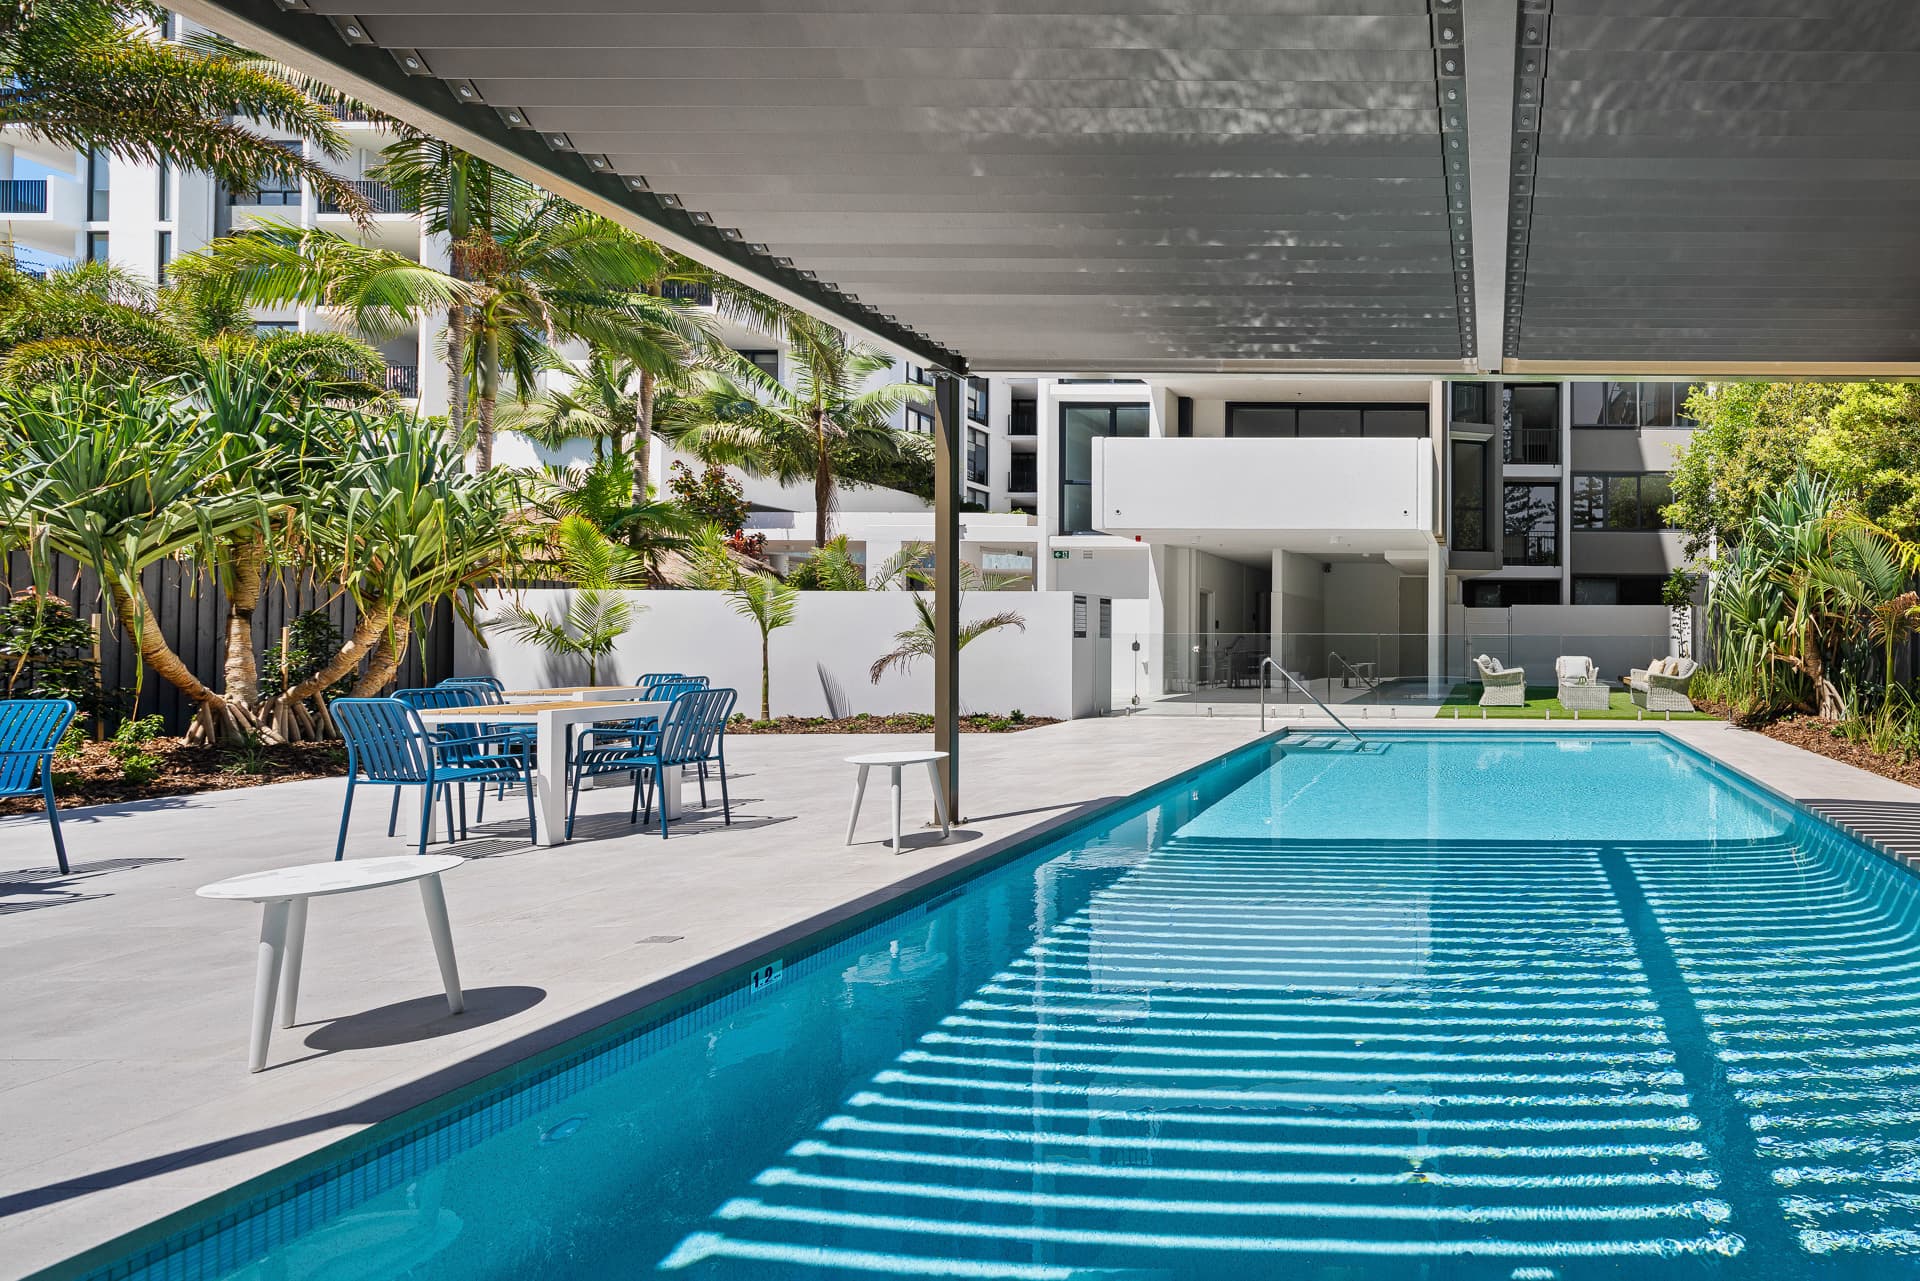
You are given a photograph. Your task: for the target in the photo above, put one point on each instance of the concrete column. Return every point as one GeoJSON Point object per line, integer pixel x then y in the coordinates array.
{"type": "Point", "coordinates": [1436, 619]}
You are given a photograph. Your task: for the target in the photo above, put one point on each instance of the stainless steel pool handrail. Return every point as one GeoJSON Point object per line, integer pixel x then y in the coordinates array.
{"type": "Point", "coordinates": [1352, 672]}
{"type": "Point", "coordinates": [1295, 681]}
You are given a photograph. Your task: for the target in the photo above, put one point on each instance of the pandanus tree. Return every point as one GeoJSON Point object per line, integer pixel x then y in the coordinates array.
{"type": "Point", "coordinates": [813, 431]}
{"type": "Point", "coordinates": [120, 478]}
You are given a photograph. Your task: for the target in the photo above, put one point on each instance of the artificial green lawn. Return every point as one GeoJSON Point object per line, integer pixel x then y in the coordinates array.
{"type": "Point", "coordinates": [1543, 699]}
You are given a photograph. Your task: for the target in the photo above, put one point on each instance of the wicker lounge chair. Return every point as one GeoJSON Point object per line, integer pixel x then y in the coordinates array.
{"type": "Point", "coordinates": [1580, 686]}
{"type": "Point", "coordinates": [1501, 686]}
{"type": "Point", "coordinates": [1662, 686]}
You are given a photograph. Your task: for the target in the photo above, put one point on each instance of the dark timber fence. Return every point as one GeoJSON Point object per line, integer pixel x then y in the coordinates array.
{"type": "Point", "coordinates": [192, 610]}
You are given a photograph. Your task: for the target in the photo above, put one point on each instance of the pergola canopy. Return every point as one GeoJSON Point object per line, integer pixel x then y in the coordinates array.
{"type": "Point", "coordinates": [1133, 185]}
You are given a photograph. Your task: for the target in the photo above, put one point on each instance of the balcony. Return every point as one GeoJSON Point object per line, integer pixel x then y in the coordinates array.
{"type": "Point", "coordinates": [688, 291]}
{"type": "Point", "coordinates": [1330, 494]}
{"type": "Point", "coordinates": [382, 198]}
{"type": "Point", "coordinates": [1024, 418]}
{"type": "Point", "coordinates": [1006, 562]}
{"type": "Point", "coordinates": [1533, 446]}
{"type": "Point", "coordinates": [1023, 478]}
{"type": "Point", "coordinates": [23, 196]}
{"type": "Point", "coordinates": [403, 380]}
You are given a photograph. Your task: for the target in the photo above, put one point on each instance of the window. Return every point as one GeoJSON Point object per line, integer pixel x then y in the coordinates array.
{"type": "Point", "coordinates": [164, 199]}
{"type": "Point", "coordinates": [976, 456]}
{"type": "Point", "coordinates": [1631, 404]}
{"type": "Point", "coordinates": [264, 328]}
{"type": "Point", "coordinates": [1531, 523]}
{"type": "Point", "coordinates": [1470, 496]}
{"type": "Point", "coordinates": [97, 246]}
{"type": "Point", "coordinates": [1079, 425]}
{"type": "Point", "coordinates": [1626, 501]}
{"type": "Point", "coordinates": [1482, 594]}
{"type": "Point", "coordinates": [1621, 589]}
{"type": "Point", "coordinates": [1530, 423]}
{"type": "Point", "coordinates": [1263, 421]}
{"type": "Point", "coordinates": [920, 374]}
{"type": "Point", "coordinates": [278, 191]}
{"type": "Point", "coordinates": [767, 362]}
{"type": "Point", "coordinates": [163, 255]}
{"type": "Point", "coordinates": [919, 419]}
{"type": "Point", "coordinates": [978, 499]}
{"type": "Point", "coordinates": [99, 185]}
{"type": "Point", "coordinates": [1472, 403]}
{"type": "Point", "coordinates": [1023, 418]}
{"type": "Point", "coordinates": [1023, 474]}
{"type": "Point", "coordinates": [977, 399]}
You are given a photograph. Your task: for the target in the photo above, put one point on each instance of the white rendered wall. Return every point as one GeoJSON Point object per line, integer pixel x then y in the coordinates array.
{"type": "Point", "coordinates": [839, 634]}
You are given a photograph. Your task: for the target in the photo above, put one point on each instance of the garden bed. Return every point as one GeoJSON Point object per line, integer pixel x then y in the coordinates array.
{"type": "Point", "coordinates": [1816, 735]}
{"type": "Point", "coordinates": [96, 777]}
{"type": "Point", "coordinates": [902, 723]}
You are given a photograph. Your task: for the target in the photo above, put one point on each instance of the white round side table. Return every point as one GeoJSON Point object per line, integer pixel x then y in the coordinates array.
{"type": "Point", "coordinates": [284, 891]}
{"type": "Point", "coordinates": [894, 762]}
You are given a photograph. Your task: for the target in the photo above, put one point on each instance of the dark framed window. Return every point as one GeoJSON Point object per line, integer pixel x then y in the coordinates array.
{"type": "Point", "coordinates": [1023, 418]}
{"type": "Point", "coordinates": [1472, 402]}
{"type": "Point", "coordinates": [1470, 496]}
{"type": "Point", "coordinates": [1617, 589]}
{"type": "Point", "coordinates": [1530, 522]}
{"type": "Point", "coordinates": [1530, 423]}
{"type": "Point", "coordinates": [279, 191]}
{"type": "Point", "coordinates": [262, 328]}
{"type": "Point", "coordinates": [163, 255]}
{"type": "Point", "coordinates": [99, 185]}
{"type": "Point", "coordinates": [1482, 594]}
{"type": "Point", "coordinates": [976, 456]}
{"type": "Point", "coordinates": [977, 399]}
{"type": "Point", "coordinates": [766, 360]}
{"type": "Point", "coordinates": [1625, 500]}
{"type": "Point", "coordinates": [920, 374]}
{"type": "Point", "coordinates": [1079, 426]}
{"type": "Point", "coordinates": [976, 497]}
{"type": "Point", "coordinates": [1260, 420]}
{"type": "Point", "coordinates": [919, 419]}
{"type": "Point", "coordinates": [97, 246]}
{"type": "Point", "coordinates": [1023, 474]}
{"type": "Point", "coordinates": [164, 193]}
{"type": "Point", "coordinates": [1661, 404]}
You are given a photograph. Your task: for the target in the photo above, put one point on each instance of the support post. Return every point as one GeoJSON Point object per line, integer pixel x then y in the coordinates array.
{"type": "Point", "coordinates": [949, 431]}
{"type": "Point", "coordinates": [1436, 619]}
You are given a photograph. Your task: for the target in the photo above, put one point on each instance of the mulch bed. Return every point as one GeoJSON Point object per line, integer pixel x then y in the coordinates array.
{"type": "Point", "coordinates": [1814, 735]}
{"type": "Point", "coordinates": [96, 778]}
{"type": "Point", "coordinates": [906, 723]}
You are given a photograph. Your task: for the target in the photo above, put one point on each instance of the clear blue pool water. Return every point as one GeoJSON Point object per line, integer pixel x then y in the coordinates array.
{"type": "Point", "coordinates": [1520, 1006]}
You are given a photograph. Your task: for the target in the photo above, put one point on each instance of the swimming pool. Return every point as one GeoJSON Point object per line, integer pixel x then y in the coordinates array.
{"type": "Point", "coordinates": [1450, 1005]}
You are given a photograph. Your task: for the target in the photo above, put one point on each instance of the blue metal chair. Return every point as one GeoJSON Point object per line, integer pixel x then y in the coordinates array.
{"type": "Point", "coordinates": [715, 715]}
{"type": "Point", "coordinates": [488, 691]}
{"type": "Point", "coordinates": [29, 728]}
{"type": "Point", "coordinates": [677, 742]}
{"type": "Point", "coordinates": [633, 731]}
{"type": "Point", "coordinates": [388, 746]}
{"type": "Point", "coordinates": [493, 683]}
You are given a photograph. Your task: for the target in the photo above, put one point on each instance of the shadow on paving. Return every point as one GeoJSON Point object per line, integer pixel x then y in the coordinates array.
{"type": "Point", "coordinates": [48, 887]}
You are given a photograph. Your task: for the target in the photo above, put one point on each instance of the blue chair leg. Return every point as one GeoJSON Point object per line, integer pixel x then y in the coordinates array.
{"type": "Point", "coordinates": [480, 806]}
{"type": "Point", "coordinates": [533, 824]}
{"type": "Point", "coordinates": [703, 785]}
{"type": "Point", "coordinates": [573, 803]}
{"type": "Point", "coordinates": [426, 813]}
{"type": "Point", "coordinates": [645, 777]}
{"type": "Point", "coordinates": [53, 818]}
{"type": "Point", "coordinates": [340, 846]}
{"type": "Point", "coordinates": [726, 806]}
{"type": "Point", "coordinates": [663, 799]}
{"type": "Point", "coordinates": [463, 808]}
{"type": "Point", "coordinates": [393, 815]}
{"type": "Point", "coordinates": [446, 794]}
{"type": "Point", "coordinates": [633, 812]}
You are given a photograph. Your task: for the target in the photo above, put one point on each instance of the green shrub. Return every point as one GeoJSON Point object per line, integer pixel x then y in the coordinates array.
{"type": "Point", "coordinates": [312, 640]}
{"type": "Point", "coordinates": [129, 746]}
{"type": "Point", "coordinates": [47, 652]}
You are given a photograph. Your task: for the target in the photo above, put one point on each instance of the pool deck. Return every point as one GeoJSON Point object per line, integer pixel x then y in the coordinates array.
{"type": "Point", "coordinates": [124, 1093]}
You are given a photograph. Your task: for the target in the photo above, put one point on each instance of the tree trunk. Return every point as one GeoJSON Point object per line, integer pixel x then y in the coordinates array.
{"type": "Point", "coordinates": [386, 659]}
{"type": "Point", "coordinates": [288, 717]}
{"type": "Point", "coordinates": [215, 719]}
{"type": "Point", "coordinates": [822, 479]}
{"type": "Point", "coordinates": [456, 374]}
{"type": "Point", "coordinates": [489, 398]}
{"type": "Point", "coordinates": [643, 438]}
{"type": "Point", "coordinates": [765, 713]}
{"type": "Point", "coordinates": [243, 598]}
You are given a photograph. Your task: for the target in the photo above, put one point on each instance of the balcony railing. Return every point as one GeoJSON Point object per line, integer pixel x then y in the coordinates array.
{"type": "Point", "coordinates": [378, 195]}
{"type": "Point", "coordinates": [23, 196]}
{"type": "Point", "coordinates": [1024, 418]}
{"type": "Point", "coordinates": [688, 291]}
{"type": "Point", "coordinates": [271, 197]}
{"type": "Point", "coordinates": [1531, 548]}
{"type": "Point", "coordinates": [1539, 445]}
{"type": "Point", "coordinates": [1023, 480]}
{"type": "Point", "coordinates": [403, 380]}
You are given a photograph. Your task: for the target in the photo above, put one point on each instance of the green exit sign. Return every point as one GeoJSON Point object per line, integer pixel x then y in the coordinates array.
{"type": "Point", "coordinates": [1059, 555]}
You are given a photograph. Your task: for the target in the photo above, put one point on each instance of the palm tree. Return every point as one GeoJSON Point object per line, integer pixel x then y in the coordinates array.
{"type": "Point", "coordinates": [761, 597]}
{"type": "Point", "coordinates": [596, 613]}
{"type": "Point", "coordinates": [811, 431]}
{"type": "Point", "coordinates": [86, 73]}
{"type": "Point", "coordinates": [908, 568]}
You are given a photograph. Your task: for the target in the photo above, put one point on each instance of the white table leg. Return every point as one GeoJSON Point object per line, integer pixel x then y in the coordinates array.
{"type": "Point", "coordinates": [859, 791]}
{"type": "Point", "coordinates": [669, 797]}
{"type": "Point", "coordinates": [290, 962]}
{"type": "Point", "coordinates": [266, 980]}
{"type": "Point", "coordinates": [894, 779]}
{"type": "Point", "coordinates": [435, 901]}
{"type": "Point", "coordinates": [939, 800]}
{"type": "Point", "coordinates": [550, 779]}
